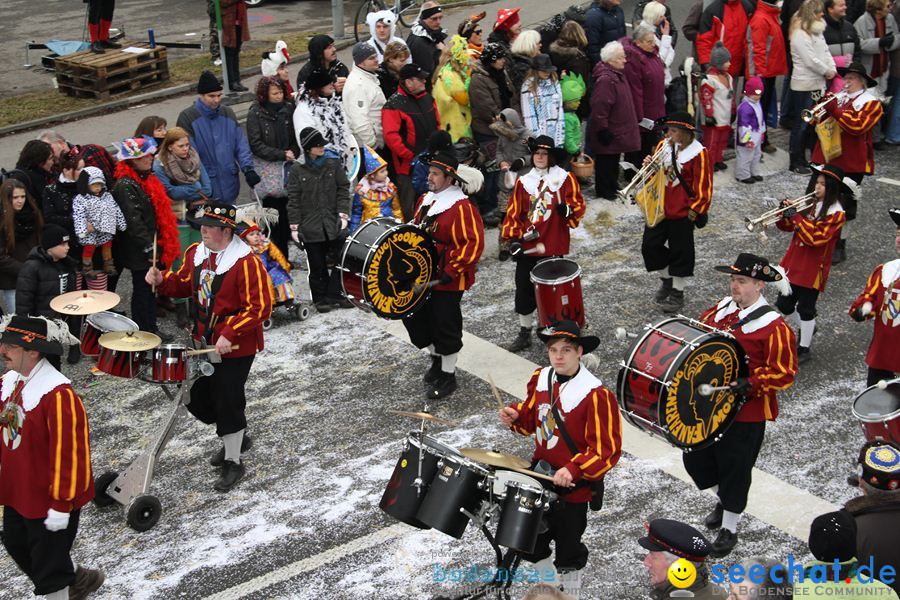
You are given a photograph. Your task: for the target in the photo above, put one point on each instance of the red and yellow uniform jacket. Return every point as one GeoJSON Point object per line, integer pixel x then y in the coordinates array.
{"type": "Point", "coordinates": [807, 261]}
{"type": "Point", "coordinates": [532, 205]}
{"type": "Point", "coordinates": [591, 417]}
{"type": "Point", "coordinates": [45, 452]}
{"type": "Point", "coordinates": [771, 348]}
{"type": "Point", "coordinates": [696, 171]}
{"type": "Point", "coordinates": [883, 291]}
{"type": "Point", "coordinates": [856, 119]}
{"type": "Point", "coordinates": [458, 232]}
{"type": "Point", "coordinates": [241, 303]}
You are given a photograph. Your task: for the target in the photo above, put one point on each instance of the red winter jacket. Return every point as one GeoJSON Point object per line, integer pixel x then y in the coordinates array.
{"type": "Point", "coordinates": [725, 21]}
{"type": "Point", "coordinates": [407, 121]}
{"type": "Point", "coordinates": [765, 48]}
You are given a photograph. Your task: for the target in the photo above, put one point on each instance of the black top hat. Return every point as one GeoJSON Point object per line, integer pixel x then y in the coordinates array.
{"type": "Point", "coordinates": [750, 265]}
{"type": "Point", "coordinates": [895, 215]}
{"type": "Point", "coordinates": [413, 70]}
{"type": "Point", "coordinates": [545, 142]}
{"type": "Point", "coordinates": [569, 330]}
{"type": "Point", "coordinates": [30, 333]}
{"type": "Point", "coordinates": [859, 69]}
{"type": "Point", "coordinates": [446, 162]}
{"type": "Point", "coordinates": [682, 120]}
{"type": "Point", "coordinates": [667, 535]}
{"type": "Point", "coordinates": [542, 62]}
{"type": "Point", "coordinates": [215, 215]}
{"type": "Point", "coordinates": [879, 464]}
{"type": "Point", "coordinates": [834, 173]}
{"type": "Point", "coordinates": [318, 78]}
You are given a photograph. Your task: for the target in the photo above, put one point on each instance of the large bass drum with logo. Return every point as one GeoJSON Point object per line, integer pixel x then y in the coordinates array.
{"type": "Point", "coordinates": [385, 267]}
{"type": "Point", "coordinates": [657, 385]}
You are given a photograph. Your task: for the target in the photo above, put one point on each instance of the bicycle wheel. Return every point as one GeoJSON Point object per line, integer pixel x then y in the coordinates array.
{"type": "Point", "coordinates": [409, 10]}
{"type": "Point", "coordinates": [360, 27]}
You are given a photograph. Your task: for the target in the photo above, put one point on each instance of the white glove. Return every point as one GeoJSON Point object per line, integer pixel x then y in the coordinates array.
{"type": "Point", "coordinates": [295, 233]}
{"type": "Point", "coordinates": [56, 521]}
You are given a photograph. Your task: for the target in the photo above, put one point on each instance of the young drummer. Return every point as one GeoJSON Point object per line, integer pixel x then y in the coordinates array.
{"type": "Point", "coordinates": [807, 261]}
{"type": "Point", "coordinates": [577, 430]}
{"type": "Point", "coordinates": [880, 300]}
{"type": "Point", "coordinates": [545, 203]}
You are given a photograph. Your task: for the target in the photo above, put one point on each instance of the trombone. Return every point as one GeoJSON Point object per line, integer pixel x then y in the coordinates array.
{"type": "Point", "coordinates": [818, 111]}
{"type": "Point", "coordinates": [645, 173]}
{"type": "Point", "coordinates": [770, 217]}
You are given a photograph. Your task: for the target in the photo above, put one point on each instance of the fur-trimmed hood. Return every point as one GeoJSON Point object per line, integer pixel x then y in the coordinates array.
{"type": "Point", "coordinates": [569, 52]}
{"type": "Point", "coordinates": [874, 503]}
{"type": "Point", "coordinates": [512, 128]}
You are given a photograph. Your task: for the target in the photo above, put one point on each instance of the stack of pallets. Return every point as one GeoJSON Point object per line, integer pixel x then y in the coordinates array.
{"type": "Point", "coordinates": [89, 75]}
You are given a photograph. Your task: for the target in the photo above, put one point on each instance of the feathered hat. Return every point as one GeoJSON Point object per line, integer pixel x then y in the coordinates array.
{"type": "Point", "coordinates": [36, 333]}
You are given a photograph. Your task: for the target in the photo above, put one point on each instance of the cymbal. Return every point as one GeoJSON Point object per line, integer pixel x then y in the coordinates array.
{"type": "Point", "coordinates": [423, 416]}
{"type": "Point", "coordinates": [130, 341]}
{"type": "Point", "coordinates": [495, 459]}
{"type": "Point", "coordinates": [84, 302]}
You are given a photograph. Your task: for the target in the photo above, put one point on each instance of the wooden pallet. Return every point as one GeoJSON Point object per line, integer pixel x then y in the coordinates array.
{"type": "Point", "coordinates": [89, 75]}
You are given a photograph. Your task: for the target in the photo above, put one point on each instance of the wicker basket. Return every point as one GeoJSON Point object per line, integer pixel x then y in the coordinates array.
{"type": "Point", "coordinates": [583, 166]}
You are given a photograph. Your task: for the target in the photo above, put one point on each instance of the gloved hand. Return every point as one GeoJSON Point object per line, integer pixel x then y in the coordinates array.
{"type": "Point", "coordinates": [710, 121]}
{"type": "Point", "coordinates": [605, 137]}
{"type": "Point", "coordinates": [886, 40]}
{"type": "Point", "coordinates": [446, 278]}
{"type": "Point", "coordinates": [515, 249]}
{"type": "Point", "coordinates": [252, 178]}
{"type": "Point", "coordinates": [56, 521]}
{"type": "Point", "coordinates": [564, 210]}
{"type": "Point", "coordinates": [517, 165]}
{"type": "Point", "coordinates": [742, 386]}
{"type": "Point", "coordinates": [295, 233]}
{"type": "Point", "coordinates": [701, 220]}
{"type": "Point", "coordinates": [504, 254]}
{"type": "Point", "coordinates": [857, 315]}
{"type": "Point", "coordinates": [789, 212]}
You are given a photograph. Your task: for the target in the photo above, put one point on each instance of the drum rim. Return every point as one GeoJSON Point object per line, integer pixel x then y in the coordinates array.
{"type": "Point", "coordinates": [88, 321]}
{"type": "Point", "coordinates": [866, 419]}
{"type": "Point", "coordinates": [560, 281]}
{"type": "Point", "coordinates": [464, 461]}
{"type": "Point", "coordinates": [415, 438]}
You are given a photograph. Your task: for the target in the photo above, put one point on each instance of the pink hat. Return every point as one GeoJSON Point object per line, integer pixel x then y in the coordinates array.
{"type": "Point", "coordinates": [754, 85]}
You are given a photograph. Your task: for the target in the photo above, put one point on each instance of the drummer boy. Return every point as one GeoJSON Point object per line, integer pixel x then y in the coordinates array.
{"type": "Point", "coordinates": [577, 431]}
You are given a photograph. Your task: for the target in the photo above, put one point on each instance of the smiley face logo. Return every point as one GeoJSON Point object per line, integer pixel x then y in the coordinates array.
{"type": "Point", "coordinates": [682, 573]}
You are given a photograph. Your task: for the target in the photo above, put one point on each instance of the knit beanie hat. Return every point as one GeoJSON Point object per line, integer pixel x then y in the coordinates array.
{"type": "Point", "coordinates": [53, 235]}
{"type": "Point", "coordinates": [719, 56]}
{"type": "Point", "coordinates": [208, 83]}
{"type": "Point", "coordinates": [833, 536]}
{"type": "Point", "coordinates": [361, 51]}
{"type": "Point", "coordinates": [754, 85]}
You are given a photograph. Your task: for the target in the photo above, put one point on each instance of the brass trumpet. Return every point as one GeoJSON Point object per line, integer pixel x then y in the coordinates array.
{"type": "Point", "coordinates": [628, 193]}
{"type": "Point", "coordinates": [818, 111]}
{"type": "Point", "coordinates": [770, 217]}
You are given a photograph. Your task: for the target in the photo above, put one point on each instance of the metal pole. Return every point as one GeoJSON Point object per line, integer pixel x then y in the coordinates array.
{"type": "Point", "coordinates": [337, 19]}
{"type": "Point", "coordinates": [225, 82]}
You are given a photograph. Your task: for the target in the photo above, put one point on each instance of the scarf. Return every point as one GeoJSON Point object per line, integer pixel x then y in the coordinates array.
{"type": "Point", "coordinates": [499, 77]}
{"type": "Point", "coordinates": [166, 226]}
{"type": "Point", "coordinates": [183, 171]}
{"type": "Point", "coordinates": [880, 61]}
{"type": "Point", "coordinates": [329, 113]}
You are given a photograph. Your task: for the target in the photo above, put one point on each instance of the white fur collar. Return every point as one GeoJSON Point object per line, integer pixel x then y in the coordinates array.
{"type": "Point", "coordinates": [890, 271]}
{"type": "Point", "coordinates": [553, 179]}
{"type": "Point", "coordinates": [728, 306]}
{"type": "Point", "coordinates": [43, 378]}
{"type": "Point", "coordinates": [573, 391]}
{"type": "Point", "coordinates": [862, 98]}
{"type": "Point", "coordinates": [435, 204]}
{"type": "Point", "coordinates": [232, 253]}
{"type": "Point", "coordinates": [836, 207]}
{"type": "Point", "coordinates": [684, 155]}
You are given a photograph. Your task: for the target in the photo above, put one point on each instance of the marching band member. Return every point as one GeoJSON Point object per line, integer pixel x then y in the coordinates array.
{"type": "Point", "coordinates": [577, 429]}
{"type": "Point", "coordinates": [454, 223]}
{"type": "Point", "coordinates": [668, 248]}
{"type": "Point", "coordinates": [231, 296]}
{"type": "Point", "coordinates": [769, 343]}
{"type": "Point", "coordinates": [807, 261]}
{"type": "Point", "coordinates": [881, 300]}
{"type": "Point", "coordinates": [45, 459]}
{"type": "Point", "coordinates": [545, 203]}
{"type": "Point", "coordinates": [856, 116]}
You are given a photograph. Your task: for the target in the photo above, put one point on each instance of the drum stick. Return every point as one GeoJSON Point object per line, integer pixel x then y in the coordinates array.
{"type": "Point", "coordinates": [704, 389]}
{"type": "Point", "coordinates": [622, 333]}
{"type": "Point", "coordinates": [207, 350]}
{"type": "Point", "coordinates": [538, 249]}
{"type": "Point", "coordinates": [535, 474]}
{"type": "Point", "coordinates": [496, 392]}
{"type": "Point", "coordinates": [153, 263]}
{"type": "Point", "coordinates": [421, 287]}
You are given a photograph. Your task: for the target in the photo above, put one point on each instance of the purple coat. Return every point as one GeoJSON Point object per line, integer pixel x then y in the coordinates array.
{"type": "Point", "coordinates": [612, 109]}
{"type": "Point", "coordinates": [646, 76]}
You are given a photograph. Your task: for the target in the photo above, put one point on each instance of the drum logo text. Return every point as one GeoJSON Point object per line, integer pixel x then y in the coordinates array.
{"type": "Point", "coordinates": [398, 270]}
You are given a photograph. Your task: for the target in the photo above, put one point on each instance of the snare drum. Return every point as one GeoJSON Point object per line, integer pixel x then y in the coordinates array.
{"type": "Point", "coordinates": [557, 290]}
{"type": "Point", "coordinates": [459, 484]}
{"type": "Point", "coordinates": [385, 266]}
{"type": "Point", "coordinates": [406, 489]}
{"type": "Point", "coordinates": [878, 413]}
{"type": "Point", "coordinates": [657, 385]}
{"type": "Point", "coordinates": [168, 364]}
{"type": "Point", "coordinates": [120, 363]}
{"type": "Point", "coordinates": [102, 322]}
{"type": "Point", "coordinates": [524, 503]}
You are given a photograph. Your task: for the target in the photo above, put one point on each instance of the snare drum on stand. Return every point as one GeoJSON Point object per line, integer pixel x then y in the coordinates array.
{"type": "Point", "coordinates": [878, 413]}
{"type": "Point", "coordinates": [557, 290]}
{"type": "Point", "coordinates": [99, 323]}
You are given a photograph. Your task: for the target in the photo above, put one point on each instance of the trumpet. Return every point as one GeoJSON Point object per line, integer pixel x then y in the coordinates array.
{"type": "Point", "coordinates": [770, 217]}
{"type": "Point", "coordinates": [818, 111]}
{"type": "Point", "coordinates": [628, 193]}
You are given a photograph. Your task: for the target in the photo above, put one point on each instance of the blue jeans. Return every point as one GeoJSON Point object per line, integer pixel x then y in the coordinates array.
{"type": "Point", "coordinates": [892, 132]}
{"type": "Point", "coordinates": [800, 131]}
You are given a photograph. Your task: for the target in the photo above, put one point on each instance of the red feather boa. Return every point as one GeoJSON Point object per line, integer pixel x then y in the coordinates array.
{"type": "Point", "coordinates": [166, 226]}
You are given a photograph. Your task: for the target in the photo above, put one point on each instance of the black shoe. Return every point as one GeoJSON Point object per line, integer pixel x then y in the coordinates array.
{"type": "Point", "coordinates": [74, 354]}
{"type": "Point", "coordinates": [724, 544]}
{"type": "Point", "coordinates": [664, 290]}
{"type": "Point", "coordinates": [237, 87]}
{"type": "Point", "coordinates": [434, 371]}
{"type": "Point", "coordinates": [341, 303]}
{"type": "Point", "coordinates": [522, 341]}
{"type": "Point", "coordinates": [803, 355]}
{"type": "Point", "coordinates": [442, 386]}
{"type": "Point", "coordinates": [673, 303]}
{"type": "Point", "coordinates": [720, 166]}
{"type": "Point", "coordinates": [218, 459]}
{"type": "Point", "coordinates": [324, 306]}
{"type": "Point", "coordinates": [714, 519]}
{"type": "Point", "coordinates": [749, 180]}
{"type": "Point", "coordinates": [757, 177]}
{"type": "Point", "coordinates": [86, 582]}
{"type": "Point", "coordinates": [97, 48]}
{"type": "Point", "coordinates": [232, 472]}
{"type": "Point", "coordinates": [110, 45]}
{"type": "Point", "coordinates": [800, 169]}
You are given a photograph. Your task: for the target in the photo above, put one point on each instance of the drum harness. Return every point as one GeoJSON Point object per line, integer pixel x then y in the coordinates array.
{"type": "Point", "coordinates": [756, 314]}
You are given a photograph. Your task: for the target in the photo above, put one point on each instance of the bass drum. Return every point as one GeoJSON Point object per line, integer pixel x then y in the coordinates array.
{"type": "Point", "coordinates": [657, 385]}
{"type": "Point", "coordinates": [878, 413]}
{"type": "Point", "coordinates": [385, 266]}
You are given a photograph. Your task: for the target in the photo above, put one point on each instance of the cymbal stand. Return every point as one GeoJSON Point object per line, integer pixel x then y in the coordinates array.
{"type": "Point", "coordinates": [418, 483]}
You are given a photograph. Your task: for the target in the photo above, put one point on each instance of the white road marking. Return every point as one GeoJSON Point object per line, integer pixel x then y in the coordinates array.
{"type": "Point", "coordinates": [771, 500]}
{"type": "Point", "coordinates": [888, 180]}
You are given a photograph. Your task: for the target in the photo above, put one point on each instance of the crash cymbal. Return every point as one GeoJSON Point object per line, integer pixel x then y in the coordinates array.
{"type": "Point", "coordinates": [130, 341]}
{"type": "Point", "coordinates": [495, 459]}
{"type": "Point", "coordinates": [84, 302]}
{"type": "Point", "coordinates": [423, 416]}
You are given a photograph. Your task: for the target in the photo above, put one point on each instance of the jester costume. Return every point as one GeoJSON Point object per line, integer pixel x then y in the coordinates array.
{"type": "Point", "coordinates": [451, 91]}
{"type": "Point", "coordinates": [374, 198]}
{"type": "Point", "coordinates": [277, 266]}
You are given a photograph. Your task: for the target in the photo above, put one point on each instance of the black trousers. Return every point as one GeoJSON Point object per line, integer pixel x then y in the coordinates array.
{"type": "Point", "coordinates": [566, 522]}
{"type": "Point", "coordinates": [280, 232]}
{"type": "Point", "coordinates": [220, 397]}
{"type": "Point", "coordinates": [766, 99]}
{"type": "Point", "coordinates": [670, 244]}
{"type": "Point", "coordinates": [143, 302]}
{"type": "Point", "coordinates": [407, 196]}
{"type": "Point", "coordinates": [100, 10]}
{"type": "Point", "coordinates": [876, 375]}
{"type": "Point", "coordinates": [438, 322]}
{"type": "Point", "coordinates": [728, 463]}
{"type": "Point", "coordinates": [802, 298]}
{"type": "Point", "coordinates": [232, 58]}
{"type": "Point", "coordinates": [648, 142]}
{"type": "Point", "coordinates": [525, 300]}
{"type": "Point", "coordinates": [324, 283]}
{"type": "Point", "coordinates": [606, 175]}
{"type": "Point", "coordinates": [41, 554]}
{"type": "Point", "coordinates": [851, 205]}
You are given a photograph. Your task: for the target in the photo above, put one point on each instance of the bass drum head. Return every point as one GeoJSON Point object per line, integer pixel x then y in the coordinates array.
{"type": "Point", "coordinates": [107, 322]}
{"type": "Point", "coordinates": [554, 271]}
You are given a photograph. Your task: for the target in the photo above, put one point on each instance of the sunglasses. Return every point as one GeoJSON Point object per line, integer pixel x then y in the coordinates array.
{"type": "Point", "coordinates": [478, 31]}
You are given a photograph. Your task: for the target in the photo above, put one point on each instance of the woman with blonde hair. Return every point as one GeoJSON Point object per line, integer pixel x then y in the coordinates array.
{"type": "Point", "coordinates": [526, 46]}
{"type": "Point", "coordinates": [542, 103]}
{"type": "Point", "coordinates": [450, 87]}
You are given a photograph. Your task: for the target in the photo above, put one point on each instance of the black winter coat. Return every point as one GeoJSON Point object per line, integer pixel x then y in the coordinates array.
{"type": "Point", "coordinates": [41, 279]}
{"type": "Point", "coordinates": [27, 237]}
{"type": "Point", "coordinates": [602, 25]}
{"type": "Point", "coordinates": [424, 52]}
{"type": "Point", "coordinates": [388, 81]}
{"type": "Point", "coordinates": [58, 197]}
{"type": "Point", "coordinates": [315, 197]}
{"type": "Point", "coordinates": [271, 132]}
{"type": "Point", "coordinates": [132, 248]}
{"type": "Point", "coordinates": [876, 516]}
{"type": "Point", "coordinates": [517, 67]}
